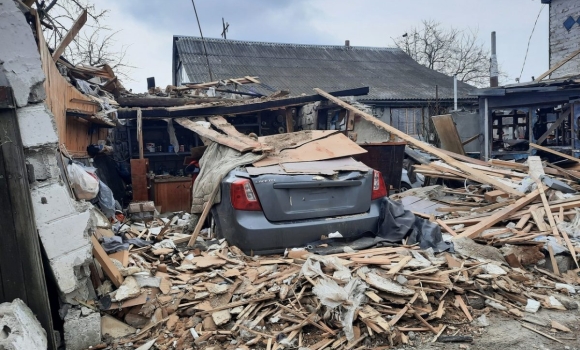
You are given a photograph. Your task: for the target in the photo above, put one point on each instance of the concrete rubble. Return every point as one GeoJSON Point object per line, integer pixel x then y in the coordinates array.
{"type": "Point", "coordinates": [19, 328]}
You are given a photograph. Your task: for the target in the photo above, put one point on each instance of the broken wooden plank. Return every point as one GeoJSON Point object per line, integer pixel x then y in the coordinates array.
{"type": "Point", "coordinates": [378, 260]}
{"type": "Point", "coordinates": [559, 154]}
{"type": "Point", "coordinates": [448, 135]}
{"type": "Point", "coordinates": [542, 333]}
{"type": "Point", "coordinates": [445, 227]}
{"type": "Point", "coordinates": [220, 123]}
{"type": "Point", "coordinates": [423, 146]}
{"type": "Point", "coordinates": [121, 256]}
{"type": "Point", "coordinates": [555, 268]}
{"type": "Point", "coordinates": [110, 269]}
{"type": "Point", "coordinates": [401, 264]}
{"type": "Point", "coordinates": [557, 65]}
{"type": "Point", "coordinates": [70, 35]}
{"type": "Point", "coordinates": [203, 216]}
{"type": "Point", "coordinates": [485, 223]}
{"type": "Point", "coordinates": [463, 307]}
{"type": "Point", "coordinates": [556, 124]}
{"type": "Point", "coordinates": [197, 127]}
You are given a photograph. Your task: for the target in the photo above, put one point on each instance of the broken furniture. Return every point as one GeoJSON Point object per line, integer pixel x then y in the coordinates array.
{"type": "Point", "coordinates": [171, 193]}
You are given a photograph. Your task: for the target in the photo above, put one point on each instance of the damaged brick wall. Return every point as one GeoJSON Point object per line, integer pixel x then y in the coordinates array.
{"type": "Point", "coordinates": [564, 35]}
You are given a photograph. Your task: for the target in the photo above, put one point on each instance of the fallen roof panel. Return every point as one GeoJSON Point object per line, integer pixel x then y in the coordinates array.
{"type": "Point", "coordinates": [247, 107]}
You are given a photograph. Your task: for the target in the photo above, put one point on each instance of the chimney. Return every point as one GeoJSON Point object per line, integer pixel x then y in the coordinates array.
{"type": "Point", "coordinates": [347, 43]}
{"type": "Point", "coordinates": [493, 69]}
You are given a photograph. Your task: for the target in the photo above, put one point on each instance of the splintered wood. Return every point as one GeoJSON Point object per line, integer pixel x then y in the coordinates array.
{"type": "Point", "coordinates": [212, 296]}
{"type": "Point", "coordinates": [370, 298]}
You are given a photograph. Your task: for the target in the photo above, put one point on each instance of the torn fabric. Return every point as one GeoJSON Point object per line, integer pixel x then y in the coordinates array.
{"type": "Point", "coordinates": [216, 162]}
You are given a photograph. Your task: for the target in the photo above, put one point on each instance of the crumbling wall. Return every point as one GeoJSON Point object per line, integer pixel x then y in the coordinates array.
{"type": "Point", "coordinates": [19, 329]}
{"type": "Point", "coordinates": [564, 35]}
{"type": "Point", "coordinates": [63, 224]}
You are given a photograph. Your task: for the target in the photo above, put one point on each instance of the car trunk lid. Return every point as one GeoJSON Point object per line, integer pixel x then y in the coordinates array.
{"type": "Point", "coordinates": [299, 197]}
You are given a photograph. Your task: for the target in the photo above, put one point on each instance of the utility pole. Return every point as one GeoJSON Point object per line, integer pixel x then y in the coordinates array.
{"type": "Point", "coordinates": [493, 68]}
{"type": "Point", "coordinates": [225, 26]}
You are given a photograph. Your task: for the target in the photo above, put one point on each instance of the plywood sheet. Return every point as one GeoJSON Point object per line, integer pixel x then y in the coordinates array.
{"type": "Point", "coordinates": [293, 140]}
{"type": "Point", "coordinates": [334, 146]}
{"type": "Point", "coordinates": [196, 126]}
{"type": "Point", "coordinates": [448, 134]}
{"type": "Point", "coordinates": [60, 96]}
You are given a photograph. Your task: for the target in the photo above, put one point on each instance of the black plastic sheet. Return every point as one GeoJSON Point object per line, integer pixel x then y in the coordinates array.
{"type": "Point", "coordinates": [395, 224]}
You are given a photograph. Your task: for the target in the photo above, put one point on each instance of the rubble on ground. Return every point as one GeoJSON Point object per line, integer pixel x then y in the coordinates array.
{"type": "Point", "coordinates": [504, 258]}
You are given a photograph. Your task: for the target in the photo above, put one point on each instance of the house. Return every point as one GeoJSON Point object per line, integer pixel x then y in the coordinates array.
{"type": "Point", "coordinates": [402, 92]}
{"type": "Point", "coordinates": [544, 111]}
{"type": "Point", "coordinates": [564, 39]}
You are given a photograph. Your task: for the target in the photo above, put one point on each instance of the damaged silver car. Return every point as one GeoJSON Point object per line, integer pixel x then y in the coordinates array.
{"type": "Point", "coordinates": [265, 210]}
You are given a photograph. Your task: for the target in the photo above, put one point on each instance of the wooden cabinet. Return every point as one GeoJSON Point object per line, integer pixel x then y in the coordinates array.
{"type": "Point", "coordinates": [172, 194]}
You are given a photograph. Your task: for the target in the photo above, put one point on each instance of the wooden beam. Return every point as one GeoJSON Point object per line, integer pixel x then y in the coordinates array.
{"type": "Point", "coordinates": [479, 175]}
{"type": "Point", "coordinates": [558, 65]}
{"type": "Point", "coordinates": [213, 135]}
{"type": "Point", "coordinates": [553, 127]}
{"type": "Point", "coordinates": [108, 267]}
{"type": "Point", "coordinates": [140, 132]}
{"type": "Point", "coordinates": [289, 120]}
{"type": "Point", "coordinates": [70, 35]}
{"type": "Point", "coordinates": [486, 223]}
{"type": "Point", "coordinates": [469, 140]}
{"type": "Point", "coordinates": [203, 215]}
{"type": "Point", "coordinates": [559, 154]}
{"type": "Point", "coordinates": [242, 108]}
{"type": "Point", "coordinates": [220, 123]}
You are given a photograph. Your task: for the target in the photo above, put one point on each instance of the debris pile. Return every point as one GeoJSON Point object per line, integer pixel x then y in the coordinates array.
{"type": "Point", "coordinates": [189, 291]}
{"type": "Point", "coordinates": [213, 295]}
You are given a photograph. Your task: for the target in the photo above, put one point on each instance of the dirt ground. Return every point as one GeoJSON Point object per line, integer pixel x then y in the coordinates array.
{"type": "Point", "coordinates": [507, 333]}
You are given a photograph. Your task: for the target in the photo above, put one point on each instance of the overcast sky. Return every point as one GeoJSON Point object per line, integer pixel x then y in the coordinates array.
{"type": "Point", "coordinates": [149, 25]}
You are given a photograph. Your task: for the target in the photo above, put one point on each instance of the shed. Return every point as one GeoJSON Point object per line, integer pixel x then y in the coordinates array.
{"type": "Point", "coordinates": [402, 93]}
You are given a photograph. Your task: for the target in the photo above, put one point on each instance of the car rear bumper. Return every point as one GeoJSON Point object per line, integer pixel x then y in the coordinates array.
{"type": "Point", "coordinates": [253, 233]}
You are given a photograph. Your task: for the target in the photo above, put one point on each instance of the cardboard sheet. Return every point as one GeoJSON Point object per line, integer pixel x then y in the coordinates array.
{"type": "Point", "coordinates": [322, 167]}
{"type": "Point", "coordinates": [333, 146]}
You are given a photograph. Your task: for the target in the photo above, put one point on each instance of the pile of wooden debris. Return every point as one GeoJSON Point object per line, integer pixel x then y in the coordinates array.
{"type": "Point", "coordinates": [211, 295]}
{"type": "Point", "coordinates": [214, 296]}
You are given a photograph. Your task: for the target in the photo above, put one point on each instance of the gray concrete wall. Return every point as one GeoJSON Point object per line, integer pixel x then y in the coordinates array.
{"type": "Point", "coordinates": [64, 225]}
{"type": "Point", "coordinates": [563, 41]}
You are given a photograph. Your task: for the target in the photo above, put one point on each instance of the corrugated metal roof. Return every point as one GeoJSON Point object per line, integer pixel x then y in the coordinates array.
{"type": "Point", "coordinates": [389, 72]}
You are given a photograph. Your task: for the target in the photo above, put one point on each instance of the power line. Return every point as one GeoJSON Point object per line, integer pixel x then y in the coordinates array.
{"type": "Point", "coordinates": [529, 40]}
{"type": "Point", "coordinates": [203, 41]}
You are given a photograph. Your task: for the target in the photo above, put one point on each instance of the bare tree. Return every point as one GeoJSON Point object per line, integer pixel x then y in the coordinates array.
{"type": "Point", "coordinates": [448, 50]}
{"type": "Point", "coordinates": [95, 43]}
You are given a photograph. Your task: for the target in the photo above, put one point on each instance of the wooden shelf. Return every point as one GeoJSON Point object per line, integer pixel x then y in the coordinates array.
{"type": "Point", "coordinates": [163, 154]}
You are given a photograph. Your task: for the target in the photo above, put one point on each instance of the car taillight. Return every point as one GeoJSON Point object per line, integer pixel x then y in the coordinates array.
{"type": "Point", "coordinates": [243, 196]}
{"type": "Point", "coordinates": [379, 188]}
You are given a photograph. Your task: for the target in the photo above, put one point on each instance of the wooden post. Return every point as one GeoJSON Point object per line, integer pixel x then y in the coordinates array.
{"type": "Point", "coordinates": [21, 270]}
{"type": "Point", "coordinates": [289, 120]}
{"type": "Point", "coordinates": [140, 132]}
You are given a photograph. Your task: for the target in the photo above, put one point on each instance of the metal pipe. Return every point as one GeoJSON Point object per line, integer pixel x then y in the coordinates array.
{"type": "Point", "coordinates": [486, 128]}
{"type": "Point", "coordinates": [455, 92]}
{"type": "Point", "coordinates": [493, 69]}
